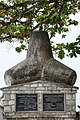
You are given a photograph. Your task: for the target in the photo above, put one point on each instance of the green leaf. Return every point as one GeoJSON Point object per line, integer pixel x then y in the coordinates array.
{"type": "Point", "coordinates": [61, 54]}
{"type": "Point", "coordinates": [18, 49]}
{"type": "Point", "coordinates": [72, 22]}
{"type": "Point", "coordinates": [63, 36]}
{"type": "Point", "coordinates": [23, 46]}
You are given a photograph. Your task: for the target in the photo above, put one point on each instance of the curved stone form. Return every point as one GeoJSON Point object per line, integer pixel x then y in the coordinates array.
{"type": "Point", "coordinates": [39, 64]}
{"type": "Point", "coordinates": [55, 71]}
{"type": "Point", "coordinates": [39, 51]}
{"type": "Point", "coordinates": [39, 46]}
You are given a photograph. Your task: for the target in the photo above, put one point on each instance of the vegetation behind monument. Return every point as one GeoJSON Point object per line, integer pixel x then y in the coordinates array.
{"type": "Point", "coordinates": [19, 17]}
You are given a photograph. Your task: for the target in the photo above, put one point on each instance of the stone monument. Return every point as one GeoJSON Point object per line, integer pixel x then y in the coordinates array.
{"type": "Point", "coordinates": [40, 87]}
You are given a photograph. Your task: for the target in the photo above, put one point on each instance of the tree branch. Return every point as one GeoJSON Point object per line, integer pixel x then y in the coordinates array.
{"type": "Point", "coordinates": [46, 18]}
{"type": "Point", "coordinates": [17, 5]}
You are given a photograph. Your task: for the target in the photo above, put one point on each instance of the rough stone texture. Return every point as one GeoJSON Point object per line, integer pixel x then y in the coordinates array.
{"type": "Point", "coordinates": [40, 64]}
{"type": "Point", "coordinates": [40, 87]}
{"type": "Point", "coordinates": [39, 47]}
{"type": "Point", "coordinates": [55, 71]}
{"type": "Point", "coordinates": [30, 69]}
{"type": "Point", "coordinates": [43, 118]}
{"type": "Point", "coordinates": [1, 113]}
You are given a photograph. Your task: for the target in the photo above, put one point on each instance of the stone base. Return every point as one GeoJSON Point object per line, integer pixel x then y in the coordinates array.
{"type": "Point", "coordinates": [39, 88]}
{"type": "Point", "coordinates": [48, 118]}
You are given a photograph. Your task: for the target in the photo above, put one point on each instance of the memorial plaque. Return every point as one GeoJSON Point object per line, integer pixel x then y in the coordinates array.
{"type": "Point", "coordinates": [53, 102]}
{"type": "Point", "coordinates": [26, 102]}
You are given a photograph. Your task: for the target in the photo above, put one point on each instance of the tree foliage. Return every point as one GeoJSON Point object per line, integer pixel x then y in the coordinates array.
{"type": "Point", "coordinates": [19, 17]}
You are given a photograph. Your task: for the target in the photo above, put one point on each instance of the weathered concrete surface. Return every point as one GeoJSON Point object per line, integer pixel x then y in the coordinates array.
{"type": "Point", "coordinates": [26, 71]}
{"type": "Point", "coordinates": [39, 47]}
{"type": "Point", "coordinates": [39, 51]}
{"type": "Point", "coordinates": [1, 113]}
{"type": "Point", "coordinates": [39, 64]}
{"type": "Point", "coordinates": [40, 87]}
{"type": "Point", "coordinates": [55, 71]}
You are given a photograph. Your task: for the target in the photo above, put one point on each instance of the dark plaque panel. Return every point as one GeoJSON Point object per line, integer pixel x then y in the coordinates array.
{"type": "Point", "coordinates": [53, 102]}
{"type": "Point", "coordinates": [26, 102]}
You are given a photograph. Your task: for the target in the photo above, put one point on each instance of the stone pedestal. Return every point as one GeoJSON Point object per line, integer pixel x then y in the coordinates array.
{"type": "Point", "coordinates": [40, 87]}
{"type": "Point", "coordinates": [66, 104]}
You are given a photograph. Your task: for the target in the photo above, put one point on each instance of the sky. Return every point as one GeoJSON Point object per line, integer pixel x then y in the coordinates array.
{"type": "Point", "coordinates": [9, 57]}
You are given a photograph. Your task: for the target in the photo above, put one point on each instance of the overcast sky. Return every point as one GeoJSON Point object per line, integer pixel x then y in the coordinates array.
{"type": "Point", "coordinates": [9, 57]}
